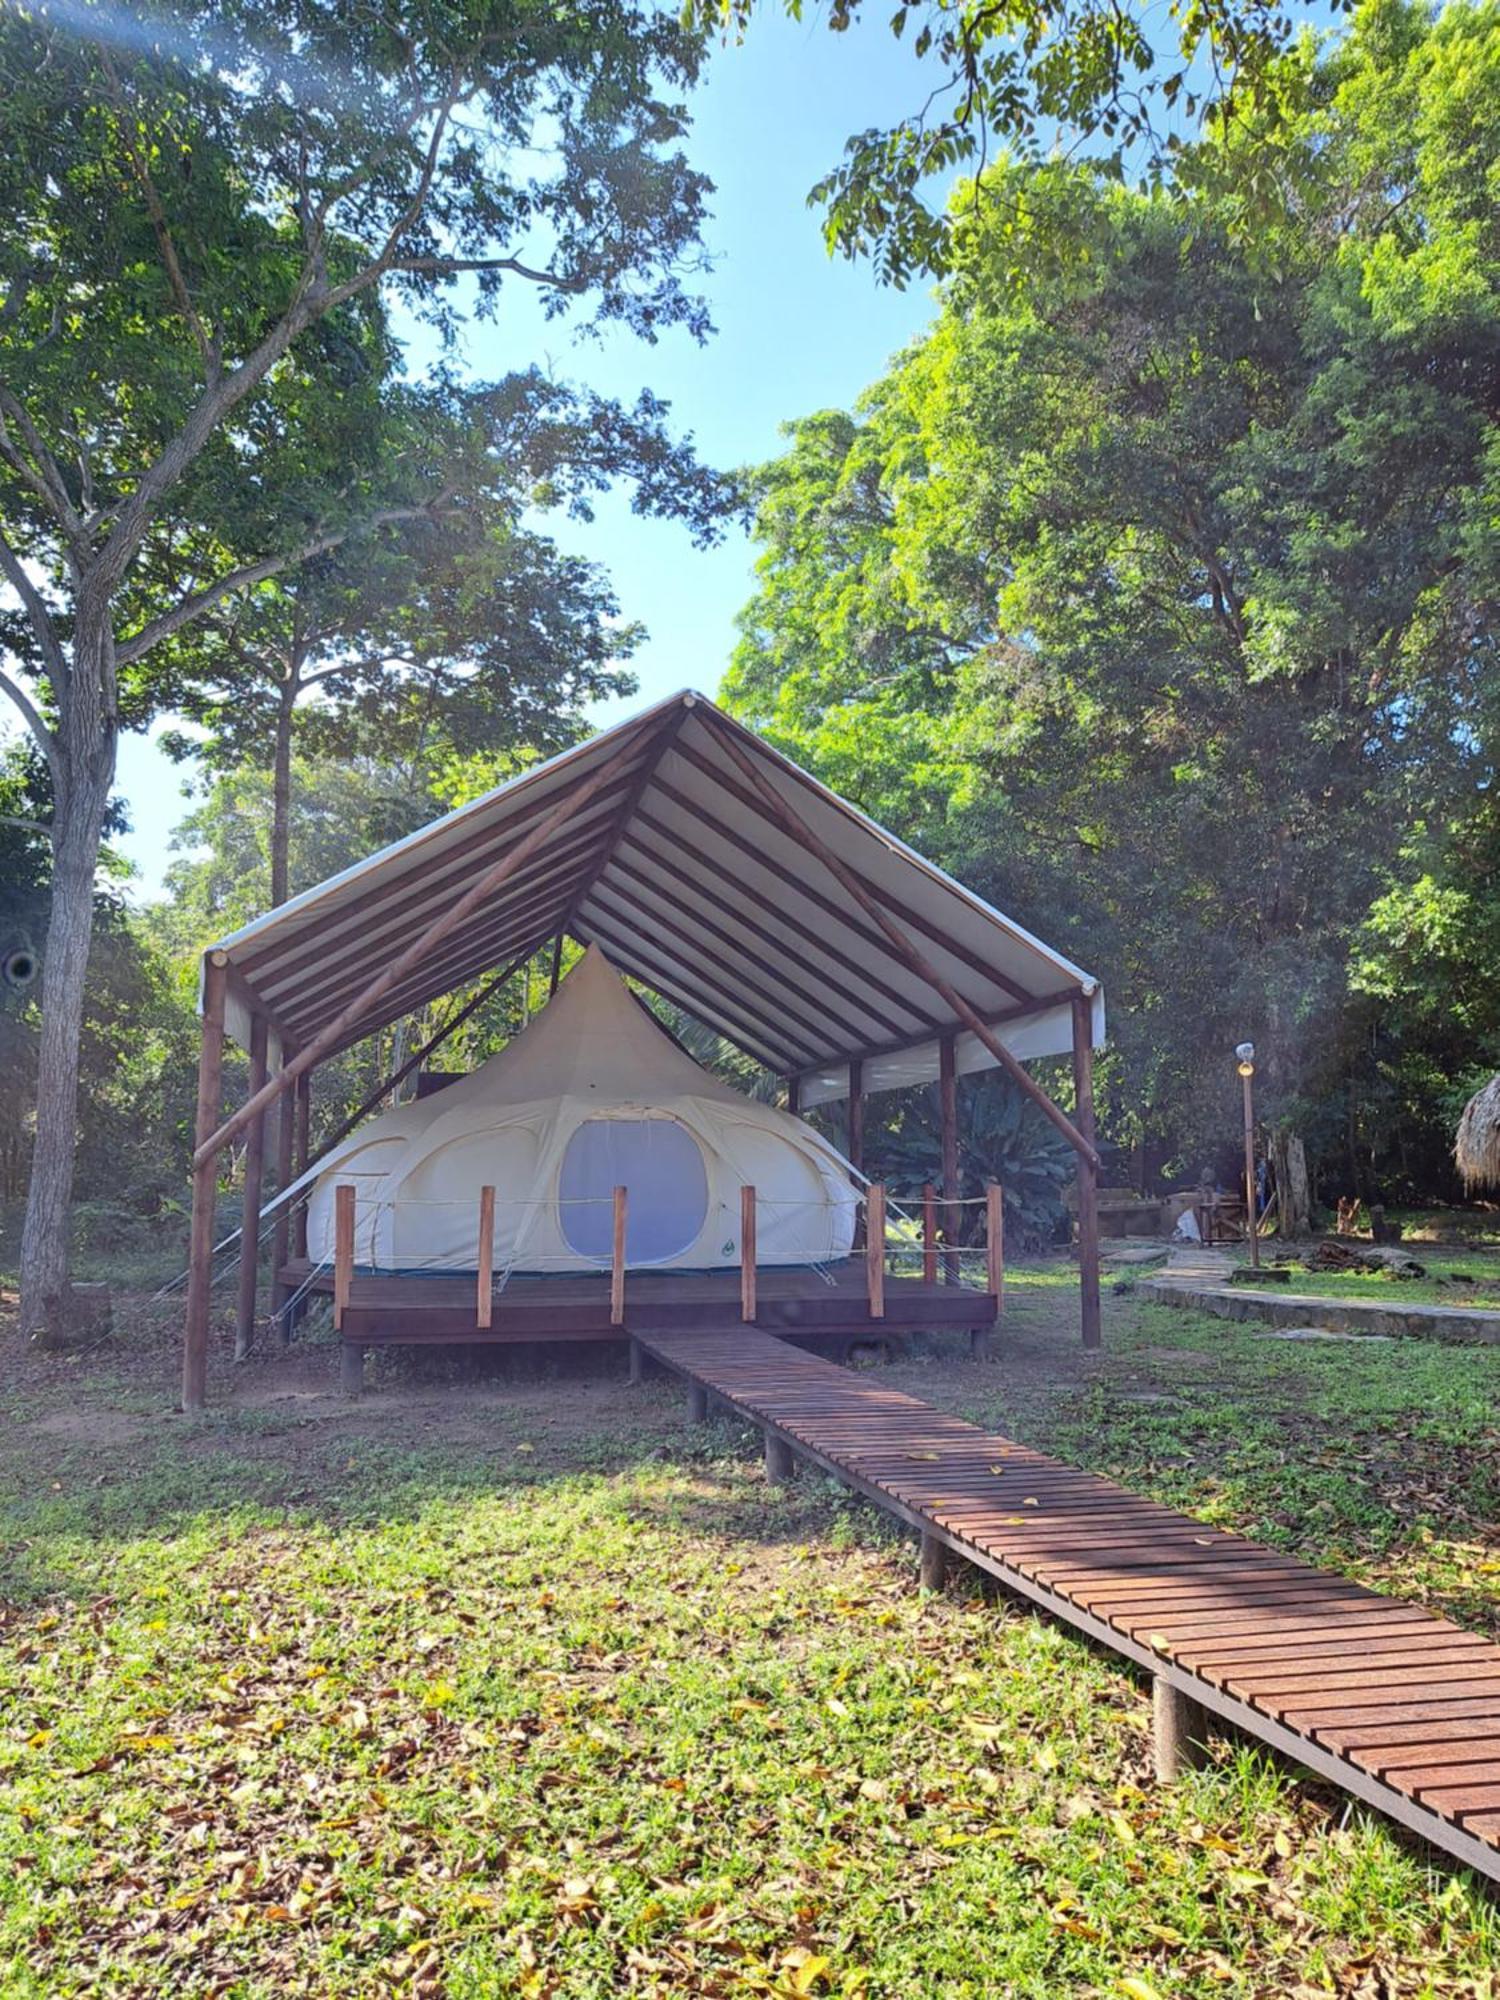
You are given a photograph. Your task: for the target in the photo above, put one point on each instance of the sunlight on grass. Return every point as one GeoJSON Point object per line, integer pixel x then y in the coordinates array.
{"type": "Point", "coordinates": [575, 1705]}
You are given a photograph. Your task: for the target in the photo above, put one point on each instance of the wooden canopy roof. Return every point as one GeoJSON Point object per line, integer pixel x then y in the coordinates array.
{"type": "Point", "coordinates": [705, 864]}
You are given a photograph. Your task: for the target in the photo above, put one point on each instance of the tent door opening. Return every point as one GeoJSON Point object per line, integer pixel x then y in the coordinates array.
{"type": "Point", "coordinates": [659, 1163]}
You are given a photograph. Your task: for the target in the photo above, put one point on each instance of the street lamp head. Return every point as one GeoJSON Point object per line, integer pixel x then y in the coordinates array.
{"type": "Point", "coordinates": [1245, 1051]}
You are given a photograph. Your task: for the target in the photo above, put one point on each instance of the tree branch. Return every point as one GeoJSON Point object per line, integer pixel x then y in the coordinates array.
{"type": "Point", "coordinates": [32, 717]}
{"type": "Point", "coordinates": [445, 264]}
{"type": "Point", "coordinates": [40, 469]}
{"type": "Point", "coordinates": [193, 607]}
{"type": "Point", "coordinates": [38, 616]}
{"type": "Point", "coordinates": [166, 246]}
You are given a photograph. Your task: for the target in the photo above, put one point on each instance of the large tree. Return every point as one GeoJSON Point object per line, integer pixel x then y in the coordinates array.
{"type": "Point", "coordinates": [466, 625]}
{"type": "Point", "coordinates": [207, 213]}
{"type": "Point", "coordinates": [1160, 596]}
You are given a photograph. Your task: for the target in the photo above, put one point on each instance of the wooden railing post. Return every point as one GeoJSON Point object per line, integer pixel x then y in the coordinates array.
{"type": "Point", "coordinates": [617, 1263]}
{"type": "Point", "coordinates": [994, 1242]}
{"type": "Point", "coordinates": [929, 1234]}
{"type": "Point", "coordinates": [486, 1279]}
{"type": "Point", "coordinates": [747, 1253]}
{"type": "Point", "coordinates": [875, 1247]}
{"type": "Point", "coordinates": [343, 1248]}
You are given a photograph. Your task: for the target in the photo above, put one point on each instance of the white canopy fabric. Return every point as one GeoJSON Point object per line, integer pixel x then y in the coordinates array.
{"type": "Point", "coordinates": [592, 1096]}
{"type": "Point", "coordinates": [678, 867]}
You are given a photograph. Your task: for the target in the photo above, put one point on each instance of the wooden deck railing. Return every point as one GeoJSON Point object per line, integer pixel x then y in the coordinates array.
{"type": "Point", "coordinates": [875, 1249]}
{"type": "Point", "coordinates": [617, 1259]}
{"type": "Point", "coordinates": [484, 1289]}
{"type": "Point", "coordinates": [343, 1248]}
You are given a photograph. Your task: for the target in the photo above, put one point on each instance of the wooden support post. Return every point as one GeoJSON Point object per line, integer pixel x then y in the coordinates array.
{"type": "Point", "coordinates": [351, 1367]}
{"type": "Point", "coordinates": [255, 1170]}
{"type": "Point", "coordinates": [205, 1187]}
{"type": "Point", "coordinates": [948, 1113]}
{"type": "Point", "coordinates": [486, 1258]}
{"type": "Point", "coordinates": [637, 1361]}
{"type": "Point", "coordinates": [747, 1253]}
{"type": "Point", "coordinates": [929, 1234]}
{"type": "Point", "coordinates": [303, 1101]}
{"type": "Point", "coordinates": [780, 1463]}
{"type": "Point", "coordinates": [794, 1095]}
{"type": "Point", "coordinates": [343, 1249]}
{"type": "Point", "coordinates": [875, 1248]}
{"type": "Point", "coordinates": [1179, 1730]}
{"type": "Point", "coordinates": [1088, 1169]}
{"type": "Point", "coordinates": [697, 1403]}
{"type": "Point", "coordinates": [933, 1563]}
{"type": "Point", "coordinates": [854, 1136]}
{"type": "Point", "coordinates": [281, 1231]}
{"type": "Point", "coordinates": [856, 1115]}
{"type": "Point", "coordinates": [617, 1261]}
{"type": "Point", "coordinates": [994, 1243]}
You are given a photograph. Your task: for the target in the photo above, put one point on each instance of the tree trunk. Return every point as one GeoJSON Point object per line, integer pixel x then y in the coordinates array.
{"type": "Point", "coordinates": [1293, 1194]}
{"type": "Point", "coordinates": [85, 741]}
{"type": "Point", "coordinates": [281, 789]}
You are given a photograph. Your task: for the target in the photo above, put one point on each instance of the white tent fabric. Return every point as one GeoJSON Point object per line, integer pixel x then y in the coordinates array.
{"type": "Point", "coordinates": [591, 1096]}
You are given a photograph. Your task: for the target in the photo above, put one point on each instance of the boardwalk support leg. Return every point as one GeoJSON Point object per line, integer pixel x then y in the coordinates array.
{"type": "Point", "coordinates": [637, 1362]}
{"type": "Point", "coordinates": [780, 1464]}
{"type": "Point", "coordinates": [979, 1343]}
{"type": "Point", "coordinates": [1179, 1728]}
{"type": "Point", "coordinates": [351, 1368]}
{"type": "Point", "coordinates": [697, 1403]}
{"type": "Point", "coordinates": [933, 1569]}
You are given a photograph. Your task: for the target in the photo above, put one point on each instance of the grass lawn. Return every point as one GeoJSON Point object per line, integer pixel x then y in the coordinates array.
{"type": "Point", "coordinates": [529, 1689]}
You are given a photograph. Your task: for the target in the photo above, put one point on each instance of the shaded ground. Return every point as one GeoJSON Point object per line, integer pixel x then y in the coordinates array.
{"type": "Point", "coordinates": [525, 1688]}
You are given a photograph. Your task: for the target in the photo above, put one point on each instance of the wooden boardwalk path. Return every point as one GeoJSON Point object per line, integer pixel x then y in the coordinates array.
{"type": "Point", "coordinates": [1394, 1705]}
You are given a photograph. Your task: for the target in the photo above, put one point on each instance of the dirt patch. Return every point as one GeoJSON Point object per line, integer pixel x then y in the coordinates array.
{"type": "Point", "coordinates": [101, 1427]}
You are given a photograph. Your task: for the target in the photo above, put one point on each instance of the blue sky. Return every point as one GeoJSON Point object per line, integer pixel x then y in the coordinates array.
{"type": "Point", "coordinates": [797, 331]}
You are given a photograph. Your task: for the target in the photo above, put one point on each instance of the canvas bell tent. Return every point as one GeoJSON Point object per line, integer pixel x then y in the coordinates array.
{"type": "Point", "coordinates": [714, 873]}
{"type": "Point", "coordinates": [594, 1095]}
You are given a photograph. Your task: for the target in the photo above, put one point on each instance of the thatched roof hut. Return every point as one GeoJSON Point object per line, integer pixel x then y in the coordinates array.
{"type": "Point", "coordinates": [1477, 1146]}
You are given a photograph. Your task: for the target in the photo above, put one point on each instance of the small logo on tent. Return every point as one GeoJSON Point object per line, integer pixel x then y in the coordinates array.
{"type": "Point", "coordinates": [728, 1249]}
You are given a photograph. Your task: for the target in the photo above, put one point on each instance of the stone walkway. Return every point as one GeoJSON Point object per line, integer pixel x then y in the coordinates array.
{"type": "Point", "coordinates": [1198, 1276]}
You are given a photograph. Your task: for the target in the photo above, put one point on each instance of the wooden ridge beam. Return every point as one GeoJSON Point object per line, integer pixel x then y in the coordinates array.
{"type": "Point", "coordinates": [793, 823]}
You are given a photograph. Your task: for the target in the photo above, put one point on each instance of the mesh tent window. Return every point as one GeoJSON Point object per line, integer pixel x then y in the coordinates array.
{"type": "Point", "coordinates": [659, 1163]}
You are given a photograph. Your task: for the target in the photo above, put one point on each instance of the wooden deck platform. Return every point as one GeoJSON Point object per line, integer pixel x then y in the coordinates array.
{"type": "Point", "coordinates": [829, 1312]}
{"type": "Point", "coordinates": [1396, 1706]}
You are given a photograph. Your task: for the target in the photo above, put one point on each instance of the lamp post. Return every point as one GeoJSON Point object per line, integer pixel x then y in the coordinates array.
{"type": "Point", "coordinates": [1245, 1056]}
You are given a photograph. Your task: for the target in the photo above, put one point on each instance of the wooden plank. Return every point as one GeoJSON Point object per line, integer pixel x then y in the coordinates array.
{"type": "Point", "coordinates": [343, 1249]}
{"type": "Point", "coordinates": [948, 1122]}
{"type": "Point", "coordinates": [747, 1253]}
{"type": "Point", "coordinates": [875, 1248]}
{"type": "Point", "coordinates": [205, 1187]}
{"type": "Point", "coordinates": [617, 1260]}
{"type": "Point", "coordinates": [485, 1259]}
{"type": "Point", "coordinates": [255, 1168]}
{"type": "Point", "coordinates": [1088, 1168]}
{"type": "Point", "coordinates": [994, 1242]}
{"type": "Point", "coordinates": [1314, 1664]}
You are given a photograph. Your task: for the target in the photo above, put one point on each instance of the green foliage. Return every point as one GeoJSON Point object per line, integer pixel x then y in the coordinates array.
{"type": "Point", "coordinates": [1002, 1138]}
{"type": "Point", "coordinates": [1130, 84]}
{"type": "Point", "coordinates": [1157, 599]}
